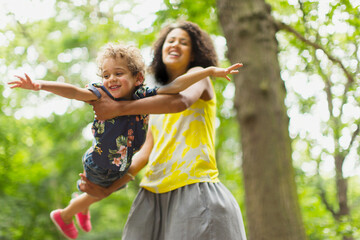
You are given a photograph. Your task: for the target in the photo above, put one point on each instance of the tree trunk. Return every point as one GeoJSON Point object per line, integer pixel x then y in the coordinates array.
{"type": "Point", "coordinates": [272, 207]}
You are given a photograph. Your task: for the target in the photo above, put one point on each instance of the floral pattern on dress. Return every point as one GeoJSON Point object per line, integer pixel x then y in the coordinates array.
{"type": "Point", "coordinates": [145, 120]}
{"type": "Point", "coordinates": [118, 156]}
{"type": "Point", "coordinates": [98, 127]}
{"type": "Point", "coordinates": [97, 149]}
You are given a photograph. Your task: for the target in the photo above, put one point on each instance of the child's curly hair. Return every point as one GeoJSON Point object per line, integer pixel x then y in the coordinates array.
{"type": "Point", "coordinates": [202, 49]}
{"type": "Point", "coordinates": [131, 54]}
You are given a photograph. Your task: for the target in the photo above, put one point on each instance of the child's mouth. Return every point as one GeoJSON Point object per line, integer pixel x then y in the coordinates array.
{"type": "Point", "coordinates": [114, 87]}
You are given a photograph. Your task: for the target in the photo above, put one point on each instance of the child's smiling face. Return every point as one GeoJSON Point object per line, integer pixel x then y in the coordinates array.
{"type": "Point", "coordinates": [118, 79]}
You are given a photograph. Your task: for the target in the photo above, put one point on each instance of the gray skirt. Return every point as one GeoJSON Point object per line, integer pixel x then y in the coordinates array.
{"type": "Point", "coordinates": [201, 211]}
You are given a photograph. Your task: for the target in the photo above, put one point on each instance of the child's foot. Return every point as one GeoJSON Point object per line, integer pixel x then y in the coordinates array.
{"type": "Point", "coordinates": [83, 220]}
{"type": "Point", "coordinates": [68, 230]}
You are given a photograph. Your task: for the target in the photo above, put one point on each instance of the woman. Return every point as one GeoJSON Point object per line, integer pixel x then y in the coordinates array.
{"type": "Point", "coordinates": [181, 196]}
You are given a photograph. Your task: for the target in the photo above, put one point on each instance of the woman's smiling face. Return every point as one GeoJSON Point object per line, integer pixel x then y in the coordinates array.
{"type": "Point", "coordinates": [177, 50]}
{"type": "Point", "coordinates": [118, 79]}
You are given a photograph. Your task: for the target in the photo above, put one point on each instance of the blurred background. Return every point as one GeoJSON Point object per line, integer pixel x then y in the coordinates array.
{"type": "Point", "coordinates": [43, 137]}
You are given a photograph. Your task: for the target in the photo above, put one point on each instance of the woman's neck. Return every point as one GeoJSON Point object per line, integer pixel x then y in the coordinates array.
{"type": "Point", "coordinates": [175, 72]}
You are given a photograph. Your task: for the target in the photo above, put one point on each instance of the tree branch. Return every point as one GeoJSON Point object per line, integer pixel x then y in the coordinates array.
{"type": "Point", "coordinates": [326, 203]}
{"type": "Point", "coordinates": [357, 57]}
{"type": "Point", "coordinates": [283, 26]}
{"type": "Point", "coordinates": [353, 137]}
{"type": "Point", "coordinates": [327, 87]}
{"type": "Point", "coordinates": [355, 133]}
{"type": "Point", "coordinates": [322, 192]}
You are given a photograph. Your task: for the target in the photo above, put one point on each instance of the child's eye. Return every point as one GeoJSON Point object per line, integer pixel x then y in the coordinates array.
{"type": "Point", "coordinates": [119, 74]}
{"type": "Point", "coordinates": [105, 76]}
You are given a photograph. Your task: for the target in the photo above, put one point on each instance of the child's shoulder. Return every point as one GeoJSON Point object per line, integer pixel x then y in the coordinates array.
{"type": "Point", "coordinates": [96, 84]}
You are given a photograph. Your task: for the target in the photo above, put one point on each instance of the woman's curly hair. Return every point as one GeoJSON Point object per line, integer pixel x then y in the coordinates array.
{"type": "Point", "coordinates": [203, 51]}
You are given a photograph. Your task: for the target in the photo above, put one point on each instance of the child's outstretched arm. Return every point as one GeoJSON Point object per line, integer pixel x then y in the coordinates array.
{"type": "Point", "coordinates": [184, 81]}
{"type": "Point", "coordinates": [62, 89]}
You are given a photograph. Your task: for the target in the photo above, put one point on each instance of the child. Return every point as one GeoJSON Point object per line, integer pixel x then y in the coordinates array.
{"type": "Point", "coordinates": [115, 140]}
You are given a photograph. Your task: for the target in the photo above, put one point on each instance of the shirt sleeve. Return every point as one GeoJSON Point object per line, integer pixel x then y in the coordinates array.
{"type": "Point", "coordinates": [143, 92]}
{"type": "Point", "coordinates": [93, 88]}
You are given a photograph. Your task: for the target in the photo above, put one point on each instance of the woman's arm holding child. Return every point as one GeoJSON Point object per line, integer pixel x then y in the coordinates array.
{"type": "Point", "coordinates": [139, 161]}
{"type": "Point", "coordinates": [62, 89]}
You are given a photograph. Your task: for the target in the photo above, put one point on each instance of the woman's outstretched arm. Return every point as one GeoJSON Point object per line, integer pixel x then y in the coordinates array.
{"type": "Point", "coordinates": [198, 73]}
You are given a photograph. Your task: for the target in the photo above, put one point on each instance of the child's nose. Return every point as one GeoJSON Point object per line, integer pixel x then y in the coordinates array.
{"type": "Point", "coordinates": [112, 77]}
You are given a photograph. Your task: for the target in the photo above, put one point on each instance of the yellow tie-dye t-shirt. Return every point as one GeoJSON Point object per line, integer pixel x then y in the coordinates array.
{"type": "Point", "coordinates": [183, 151]}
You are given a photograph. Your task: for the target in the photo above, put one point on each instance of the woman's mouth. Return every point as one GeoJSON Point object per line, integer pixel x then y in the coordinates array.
{"type": "Point", "coordinates": [175, 54]}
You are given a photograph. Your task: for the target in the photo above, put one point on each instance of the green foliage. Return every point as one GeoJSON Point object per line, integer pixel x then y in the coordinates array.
{"type": "Point", "coordinates": [306, 104]}
{"type": "Point", "coordinates": [40, 163]}
{"type": "Point", "coordinates": [35, 166]}
{"type": "Point", "coordinates": [326, 61]}
{"type": "Point", "coordinates": [319, 222]}
{"type": "Point", "coordinates": [40, 157]}
{"type": "Point", "coordinates": [200, 12]}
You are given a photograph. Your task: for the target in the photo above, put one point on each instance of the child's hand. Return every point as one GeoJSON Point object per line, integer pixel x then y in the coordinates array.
{"type": "Point", "coordinates": [25, 83]}
{"type": "Point", "coordinates": [223, 72]}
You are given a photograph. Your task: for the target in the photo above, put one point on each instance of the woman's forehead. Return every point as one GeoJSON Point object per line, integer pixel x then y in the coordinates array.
{"type": "Point", "coordinates": [178, 33]}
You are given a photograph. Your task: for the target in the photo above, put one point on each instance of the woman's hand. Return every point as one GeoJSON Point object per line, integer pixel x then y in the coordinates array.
{"type": "Point", "coordinates": [99, 192]}
{"type": "Point", "coordinates": [93, 189]}
{"type": "Point", "coordinates": [105, 108]}
{"type": "Point", "coordinates": [224, 72]}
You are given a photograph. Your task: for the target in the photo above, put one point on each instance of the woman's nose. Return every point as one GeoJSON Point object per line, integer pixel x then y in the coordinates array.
{"type": "Point", "coordinates": [174, 43]}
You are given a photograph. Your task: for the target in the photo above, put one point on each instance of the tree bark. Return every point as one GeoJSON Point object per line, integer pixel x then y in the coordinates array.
{"type": "Point", "coordinates": [272, 207]}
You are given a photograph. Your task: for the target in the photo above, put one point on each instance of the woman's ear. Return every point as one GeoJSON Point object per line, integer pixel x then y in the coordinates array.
{"type": "Point", "coordinates": [139, 79]}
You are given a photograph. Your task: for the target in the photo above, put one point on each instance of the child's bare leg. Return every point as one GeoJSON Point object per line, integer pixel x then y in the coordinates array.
{"type": "Point", "coordinates": [78, 204]}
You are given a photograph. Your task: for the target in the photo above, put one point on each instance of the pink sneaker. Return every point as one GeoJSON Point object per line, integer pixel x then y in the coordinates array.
{"type": "Point", "coordinates": [83, 220]}
{"type": "Point", "coordinates": [68, 230]}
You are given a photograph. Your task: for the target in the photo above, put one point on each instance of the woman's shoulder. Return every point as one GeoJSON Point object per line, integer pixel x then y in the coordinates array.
{"type": "Point", "coordinates": [208, 89]}
{"type": "Point", "coordinates": [194, 69]}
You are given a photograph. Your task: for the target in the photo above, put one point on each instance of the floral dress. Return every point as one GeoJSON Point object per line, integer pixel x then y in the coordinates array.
{"type": "Point", "coordinates": [116, 140]}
